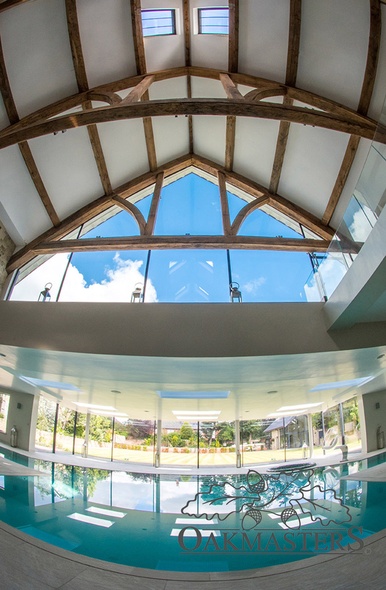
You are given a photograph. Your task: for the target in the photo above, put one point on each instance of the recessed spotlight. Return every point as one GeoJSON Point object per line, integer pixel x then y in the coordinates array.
{"type": "Point", "coordinates": [378, 357]}
{"type": "Point", "coordinates": [115, 391]}
{"type": "Point", "coordinates": [272, 391]}
{"type": "Point", "coordinates": [4, 355]}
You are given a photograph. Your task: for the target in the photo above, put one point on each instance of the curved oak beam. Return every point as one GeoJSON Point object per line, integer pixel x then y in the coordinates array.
{"type": "Point", "coordinates": [196, 106]}
{"type": "Point", "coordinates": [257, 83]}
{"type": "Point", "coordinates": [133, 210]}
{"type": "Point", "coordinates": [245, 211]}
{"type": "Point", "coordinates": [184, 242]}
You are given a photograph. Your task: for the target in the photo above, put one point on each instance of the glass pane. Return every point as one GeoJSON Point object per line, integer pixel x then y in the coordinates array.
{"type": "Point", "coordinates": [105, 276]}
{"type": "Point", "coordinates": [100, 437]}
{"type": "Point", "coordinates": [134, 441]}
{"type": "Point", "coordinates": [4, 404]}
{"type": "Point", "coordinates": [80, 435]}
{"type": "Point", "coordinates": [190, 205]}
{"type": "Point", "coordinates": [122, 224]}
{"type": "Point", "coordinates": [194, 276]}
{"type": "Point", "coordinates": [352, 433]}
{"type": "Point", "coordinates": [158, 22]}
{"type": "Point", "coordinates": [259, 223]}
{"type": "Point", "coordinates": [144, 205]}
{"type": "Point", "coordinates": [179, 444]}
{"type": "Point", "coordinates": [332, 430]}
{"type": "Point", "coordinates": [213, 21]}
{"type": "Point", "coordinates": [49, 273]}
{"type": "Point", "coordinates": [65, 430]}
{"type": "Point", "coordinates": [217, 444]}
{"type": "Point", "coordinates": [45, 423]}
{"type": "Point", "coordinates": [258, 443]}
{"type": "Point", "coordinates": [270, 276]}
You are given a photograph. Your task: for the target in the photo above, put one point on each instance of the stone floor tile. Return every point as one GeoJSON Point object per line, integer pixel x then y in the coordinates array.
{"type": "Point", "coordinates": [96, 579]}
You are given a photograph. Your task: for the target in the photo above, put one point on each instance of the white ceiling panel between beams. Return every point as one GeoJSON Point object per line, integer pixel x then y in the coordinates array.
{"type": "Point", "coordinates": [37, 54]}
{"type": "Point", "coordinates": [311, 165]}
{"type": "Point", "coordinates": [255, 148]}
{"type": "Point", "coordinates": [174, 88]}
{"type": "Point", "coordinates": [107, 40]}
{"type": "Point", "coordinates": [207, 88]}
{"type": "Point", "coordinates": [68, 169]}
{"type": "Point", "coordinates": [124, 147]}
{"type": "Point", "coordinates": [209, 137]}
{"type": "Point", "coordinates": [262, 48]}
{"type": "Point", "coordinates": [166, 127]}
{"type": "Point", "coordinates": [18, 194]}
{"type": "Point", "coordinates": [333, 48]}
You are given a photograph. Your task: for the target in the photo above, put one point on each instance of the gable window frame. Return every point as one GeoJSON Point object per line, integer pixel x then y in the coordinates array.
{"type": "Point", "coordinates": [206, 13]}
{"type": "Point", "coordinates": [160, 15]}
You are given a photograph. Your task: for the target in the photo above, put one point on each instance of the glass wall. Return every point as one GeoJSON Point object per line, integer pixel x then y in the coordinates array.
{"type": "Point", "coordinates": [194, 276]}
{"type": "Point", "coordinates": [4, 404]}
{"type": "Point", "coordinates": [45, 425]}
{"type": "Point", "coordinates": [65, 430]}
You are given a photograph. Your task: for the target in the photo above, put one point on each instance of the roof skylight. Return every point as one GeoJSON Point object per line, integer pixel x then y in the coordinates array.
{"type": "Point", "coordinates": [213, 21]}
{"type": "Point", "coordinates": [158, 22]}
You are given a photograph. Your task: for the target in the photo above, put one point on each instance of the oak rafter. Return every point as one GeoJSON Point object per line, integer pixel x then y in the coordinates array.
{"type": "Point", "coordinates": [24, 148]}
{"type": "Point", "coordinates": [140, 60]}
{"type": "Point", "coordinates": [81, 79]}
{"type": "Point", "coordinates": [291, 74]}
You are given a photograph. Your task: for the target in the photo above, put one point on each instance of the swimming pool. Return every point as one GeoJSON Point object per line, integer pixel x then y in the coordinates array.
{"type": "Point", "coordinates": [191, 522]}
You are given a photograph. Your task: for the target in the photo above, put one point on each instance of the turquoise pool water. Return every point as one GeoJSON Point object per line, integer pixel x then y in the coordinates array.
{"type": "Point", "coordinates": [195, 523]}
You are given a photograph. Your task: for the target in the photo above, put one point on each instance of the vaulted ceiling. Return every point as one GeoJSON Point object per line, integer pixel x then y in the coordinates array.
{"type": "Point", "coordinates": [284, 108]}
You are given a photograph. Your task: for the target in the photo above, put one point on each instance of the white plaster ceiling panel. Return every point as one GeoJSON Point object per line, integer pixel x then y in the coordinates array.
{"type": "Point", "coordinates": [378, 98]}
{"type": "Point", "coordinates": [207, 88]}
{"type": "Point", "coordinates": [124, 147]}
{"type": "Point", "coordinates": [209, 137]}
{"type": "Point", "coordinates": [107, 40]}
{"type": "Point", "coordinates": [263, 40]}
{"type": "Point", "coordinates": [247, 378]}
{"type": "Point", "coordinates": [18, 194]}
{"type": "Point", "coordinates": [210, 51]}
{"type": "Point", "coordinates": [68, 169]}
{"type": "Point", "coordinates": [163, 129]}
{"type": "Point", "coordinates": [168, 51]}
{"type": "Point", "coordinates": [255, 147]}
{"type": "Point", "coordinates": [174, 88]}
{"type": "Point", "coordinates": [333, 48]}
{"type": "Point", "coordinates": [37, 54]}
{"type": "Point", "coordinates": [164, 52]}
{"type": "Point", "coordinates": [311, 165]}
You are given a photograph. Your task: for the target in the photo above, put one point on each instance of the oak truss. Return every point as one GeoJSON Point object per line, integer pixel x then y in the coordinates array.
{"type": "Point", "coordinates": [136, 104]}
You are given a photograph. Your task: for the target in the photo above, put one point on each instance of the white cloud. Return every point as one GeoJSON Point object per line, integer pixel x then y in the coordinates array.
{"type": "Point", "coordinates": [118, 285]}
{"type": "Point", "coordinates": [360, 227]}
{"type": "Point", "coordinates": [254, 285]}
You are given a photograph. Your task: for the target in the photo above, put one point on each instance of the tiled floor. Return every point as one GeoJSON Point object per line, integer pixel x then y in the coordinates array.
{"type": "Point", "coordinates": [28, 564]}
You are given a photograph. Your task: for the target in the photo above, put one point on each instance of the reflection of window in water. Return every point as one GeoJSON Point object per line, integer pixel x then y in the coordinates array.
{"type": "Point", "coordinates": [4, 403]}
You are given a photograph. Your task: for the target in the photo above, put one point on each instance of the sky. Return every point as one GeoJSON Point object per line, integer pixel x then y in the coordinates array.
{"type": "Point", "coordinates": [190, 205]}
